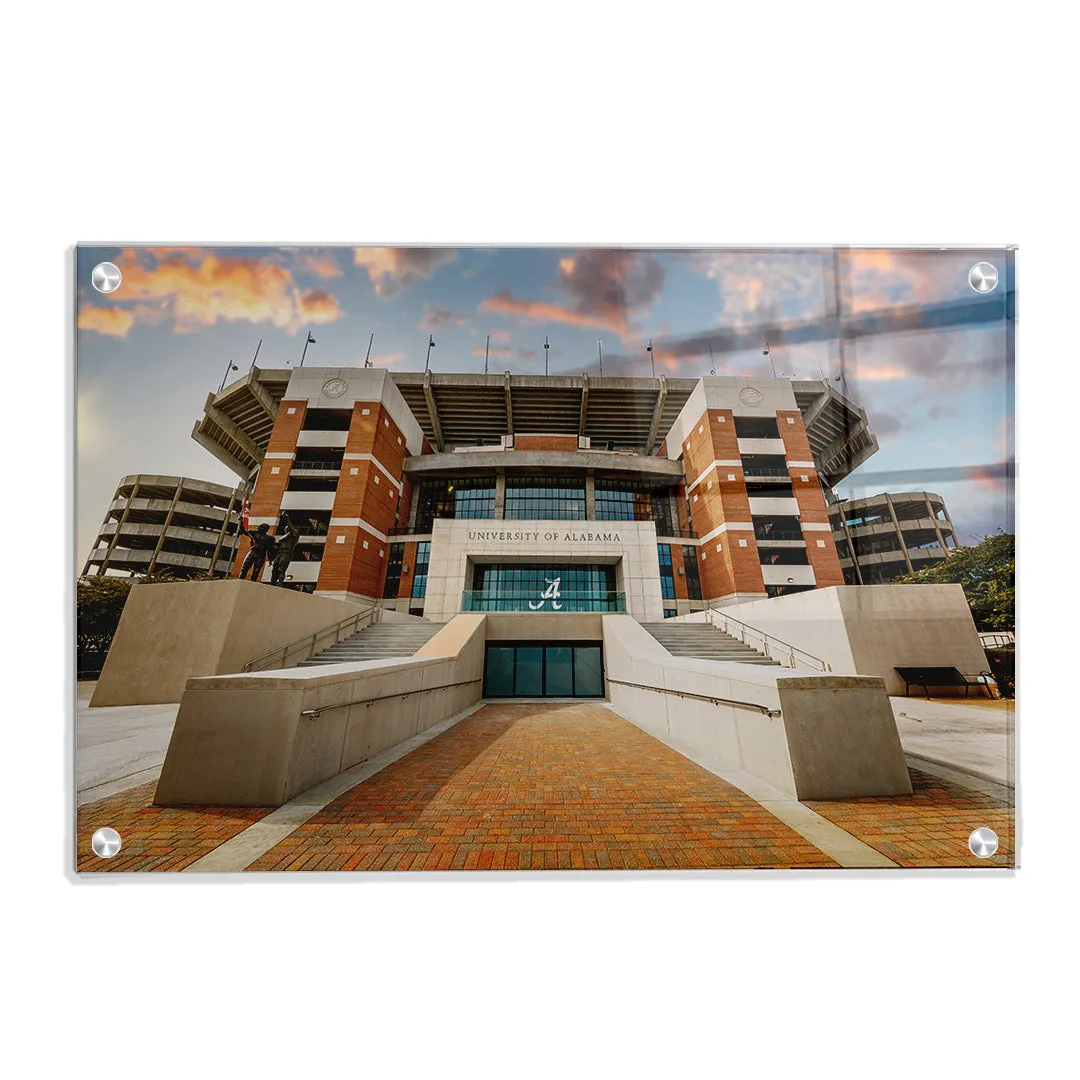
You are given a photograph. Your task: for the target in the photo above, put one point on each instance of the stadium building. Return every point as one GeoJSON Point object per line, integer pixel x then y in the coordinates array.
{"type": "Point", "coordinates": [167, 524]}
{"type": "Point", "coordinates": [886, 536]}
{"type": "Point", "coordinates": [448, 493]}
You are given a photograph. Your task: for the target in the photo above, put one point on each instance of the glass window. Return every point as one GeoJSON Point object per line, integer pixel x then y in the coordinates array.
{"type": "Point", "coordinates": [545, 498]}
{"type": "Point", "coordinates": [783, 557]}
{"type": "Point", "coordinates": [499, 671]}
{"type": "Point", "coordinates": [529, 672]}
{"type": "Point", "coordinates": [419, 582]}
{"type": "Point", "coordinates": [471, 497]}
{"type": "Point", "coordinates": [328, 419]}
{"type": "Point", "coordinates": [667, 574]}
{"type": "Point", "coordinates": [623, 500]}
{"type": "Point", "coordinates": [588, 671]}
{"type": "Point", "coordinates": [393, 570]}
{"type": "Point", "coordinates": [558, 671]}
{"type": "Point", "coordinates": [777, 527]}
{"type": "Point", "coordinates": [693, 578]}
{"type": "Point", "coordinates": [543, 587]}
{"type": "Point", "coordinates": [756, 427]}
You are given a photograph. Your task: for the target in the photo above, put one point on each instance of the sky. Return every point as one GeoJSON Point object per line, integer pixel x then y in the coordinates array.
{"type": "Point", "coordinates": [148, 354]}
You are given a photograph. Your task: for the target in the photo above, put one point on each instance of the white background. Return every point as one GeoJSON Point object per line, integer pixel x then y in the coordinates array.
{"type": "Point", "coordinates": [579, 122]}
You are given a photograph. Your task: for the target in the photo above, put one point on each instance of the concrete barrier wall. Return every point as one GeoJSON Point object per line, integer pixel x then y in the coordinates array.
{"type": "Point", "coordinates": [171, 632]}
{"type": "Point", "coordinates": [872, 629]}
{"type": "Point", "coordinates": [835, 738]}
{"type": "Point", "coordinates": [242, 740]}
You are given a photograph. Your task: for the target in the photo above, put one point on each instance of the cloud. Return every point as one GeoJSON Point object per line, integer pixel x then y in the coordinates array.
{"type": "Point", "coordinates": [193, 288]}
{"type": "Point", "coordinates": [318, 306]}
{"type": "Point", "coordinates": [526, 354]}
{"type": "Point", "coordinates": [320, 264]}
{"type": "Point", "coordinates": [497, 352]}
{"type": "Point", "coordinates": [600, 289]}
{"type": "Point", "coordinates": [440, 318]}
{"type": "Point", "coordinates": [391, 269]}
{"type": "Point", "coordinates": [111, 321]}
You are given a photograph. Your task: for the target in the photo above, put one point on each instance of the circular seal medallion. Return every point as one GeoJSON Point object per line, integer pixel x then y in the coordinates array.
{"type": "Point", "coordinates": [334, 387]}
{"type": "Point", "coordinates": [749, 396]}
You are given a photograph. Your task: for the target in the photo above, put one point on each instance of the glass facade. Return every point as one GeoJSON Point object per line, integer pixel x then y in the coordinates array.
{"type": "Point", "coordinates": [543, 587]}
{"type": "Point", "coordinates": [693, 577]}
{"type": "Point", "coordinates": [393, 570]}
{"type": "Point", "coordinates": [667, 574]}
{"type": "Point", "coordinates": [471, 497]}
{"type": "Point", "coordinates": [539, 669]}
{"type": "Point", "coordinates": [622, 500]}
{"type": "Point", "coordinates": [419, 581]}
{"type": "Point", "coordinates": [545, 498]}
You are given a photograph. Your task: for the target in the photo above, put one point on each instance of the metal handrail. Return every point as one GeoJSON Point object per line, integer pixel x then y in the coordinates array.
{"type": "Point", "coordinates": [787, 648]}
{"type": "Point", "coordinates": [778, 535]}
{"type": "Point", "coordinates": [701, 697]}
{"type": "Point", "coordinates": [266, 661]}
{"type": "Point", "coordinates": [315, 713]}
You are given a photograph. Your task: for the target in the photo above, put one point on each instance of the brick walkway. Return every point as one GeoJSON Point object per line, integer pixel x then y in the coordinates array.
{"type": "Point", "coordinates": [928, 828]}
{"type": "Point", "coordinates": [157, 837]}
{"type": "Point", "coordinates": [542, 787]}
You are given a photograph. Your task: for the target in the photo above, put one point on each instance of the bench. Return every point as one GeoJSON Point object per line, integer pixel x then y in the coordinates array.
{"type": "Point", "coordinates": [941, 676]}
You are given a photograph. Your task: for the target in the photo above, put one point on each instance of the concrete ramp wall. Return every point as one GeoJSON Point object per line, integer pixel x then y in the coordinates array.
{"type": "Point", "coordinates": [173, 631]}
{"type": "Point", "coordinates": [264, 738]}
{"type": "Point", "coordinates": [813, 736]}
{"type": "Point", "coordinates": [873, 629]}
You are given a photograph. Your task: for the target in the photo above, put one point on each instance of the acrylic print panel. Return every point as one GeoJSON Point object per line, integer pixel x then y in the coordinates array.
{"type": "Point", "coordinates": [558, 559]}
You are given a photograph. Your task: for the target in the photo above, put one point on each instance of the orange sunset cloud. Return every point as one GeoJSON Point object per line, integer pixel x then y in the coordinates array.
{"type": "Point", "coordinates": [195, 289]}
{"type": "Point", "coordinates": [112, 321]}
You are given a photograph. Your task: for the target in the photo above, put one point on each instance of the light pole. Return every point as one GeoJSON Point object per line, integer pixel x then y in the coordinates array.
{"type": "Point", "coordinates": [600, 352]}
{"type": "Point", "coordinates": [310, 341]}
{"type": "Point", "coordinates": [367, 359]}
{"type": "Point", "coordinates": [231, 367]}
{"type": "Point", "coordinates": [430, 346]}
{"type": "Point", "coordinates": [652, 357]}
{"type": "Point", "coordinates": [546, 347]}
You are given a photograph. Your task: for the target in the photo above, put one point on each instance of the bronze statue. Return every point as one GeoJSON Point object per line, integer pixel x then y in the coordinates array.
{"type": "Point", "coordinates": [263, 546]}
{"type": "Point", "coordinates": [283, 551]}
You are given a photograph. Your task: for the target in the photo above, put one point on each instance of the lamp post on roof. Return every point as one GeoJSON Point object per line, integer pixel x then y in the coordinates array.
{"type": "Point", "coordinates": [430, 346]}
{"type": "Point", "coordinates": [600, 353]}
{"type": "Point", "coordinates": [652, 357]}
{"type": "Point", "coordinates": [310, 341]}
{"type": "Point", "coordinates": [546, 347]}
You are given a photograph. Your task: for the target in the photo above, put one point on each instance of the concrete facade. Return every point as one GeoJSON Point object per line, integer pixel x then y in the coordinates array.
{"type": "Point", "coordinates": [629, 546]}
{"type": "Point", "coordinates": [167, 524]}
{"type": "Point", "coordinates": [820, 736]}
{"type": "Point", "coordinates": [174, 631]}
{"type": "Point", "coordinates": [885, 536]}
{"type": "Point", "coordinates": [871, 630]}
{"type": "Point", "coordinates": [264, 738]}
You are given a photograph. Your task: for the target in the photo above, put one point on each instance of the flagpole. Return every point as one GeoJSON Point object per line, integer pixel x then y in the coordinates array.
{"type": "Point", "coordinates": [256, 356]}
{"type": "Point", "coordinates": [600, 350]}
{"type": "Point", "coordinates": [487, 345]}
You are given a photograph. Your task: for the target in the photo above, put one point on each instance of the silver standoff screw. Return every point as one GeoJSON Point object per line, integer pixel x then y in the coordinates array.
{"type": "Point", "coordinates": [983, 277]}
{"type": "Point", "coordinates": [983, 843]}
{"type": "Point", "coordinates": [106, 277]}
{"type": "Point", "coordinates": [106, 843]}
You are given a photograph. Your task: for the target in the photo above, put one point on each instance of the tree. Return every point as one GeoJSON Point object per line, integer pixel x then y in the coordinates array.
{"type": "Point", "coordinates": [99, 603]}
{"type": "Point", "coordinates": [987, 572]}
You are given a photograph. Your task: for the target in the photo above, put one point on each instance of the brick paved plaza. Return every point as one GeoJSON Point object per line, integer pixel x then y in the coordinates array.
{"type": "Point", "coordinates": [546, 787]}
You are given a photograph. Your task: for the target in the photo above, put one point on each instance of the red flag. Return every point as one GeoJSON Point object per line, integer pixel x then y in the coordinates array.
{"type": "Point", "coordinates": [244, 514]}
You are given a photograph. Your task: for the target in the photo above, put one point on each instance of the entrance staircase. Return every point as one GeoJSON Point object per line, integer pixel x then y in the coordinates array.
{"type": "Point", "coordinates": [705, 642]}
{"type": "Point", "coordinates": [384, 639]}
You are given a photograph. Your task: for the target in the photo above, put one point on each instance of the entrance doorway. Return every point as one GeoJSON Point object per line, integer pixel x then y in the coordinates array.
{"type": "Point", "coordinates": [544, 669]}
